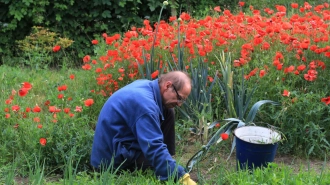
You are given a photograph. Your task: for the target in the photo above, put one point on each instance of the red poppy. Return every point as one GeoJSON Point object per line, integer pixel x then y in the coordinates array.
{"type": "Point", "coordinates": [28, 109]}
{"type": "Point", "coordinates": [8, 101]}
{"type": "Point", "coordinates": [60, 96]}
{"type": "Point", "coordinates": [241, 3]}
{"type": "Point", "coordinates": [301, 67]}
{"type": "Point", "coordinates": [43, 141]}
{"type": "Point", "coordinates": [94, 42]}
{"type": "Point", "coordinates": [15, 108]}
{"type": "Point", "coordinates": [7, 115]}
{"type": "Point", "coordinates": [210, 78]}
{"type": "Point", "coordinates": [224, 136]}
{"type": "Point", "coordinates": [27, 85]}
{"type": "Point", "coordinates": [326, 100]}
{"type": "Point", "coordinates": [6, 109]}
{"type": "Point", "coordinates": [154, 74]}
{"type": "Point", "coordinates": [86, 58]}
{"type": "Point", "coordinates": [286, 93]}
{"type": "Point", "coordinates": [47, 102]}
{"type": "Point", "coordinates": [217, 9]}
{"type": "Point", "coordinates": [36, 109]}
{"type": "Point", "coordinates": [22, 92]}
{"type": "Point", "coordinates": [56, 48]}
{"type": "Point", "coordinates": [39, 126]}
{"type": "Point", "coordinates": [87, 67]}
{"type": "Point", "coordinates": [89, 102]}
{"type": "Point", "coordinates": [262, 73]}
{"type": "Point", "coordinates": [53, 109]}
{"type": "Point", "coordinates": [78, 109]}
{"type": "Point", "coordinates": [121, 70]}
{"type": "Point", "coordinates": [294, 5]}
{"type": "Point", "coordinates": [217, 125]}
{"type": "Point", "coordinates": [36, 119]}
{"type": "Point", "coordinates": [62, 88]}
{"type": "Point", "coordinates": [98, 70]}
{"type": "Point", "coordinates": [72, 76]}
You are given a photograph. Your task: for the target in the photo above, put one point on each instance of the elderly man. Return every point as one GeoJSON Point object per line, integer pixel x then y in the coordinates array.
{"type": "Point", "coordinates": [135, 128]}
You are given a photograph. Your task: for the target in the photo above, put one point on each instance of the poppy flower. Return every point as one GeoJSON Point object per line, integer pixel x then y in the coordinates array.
{"type": "Point", "coordinates": [78, 109]}
{"type": "Point", "coordinates": [36, 119]}
{"type": "Point", "coordinates": [62, 88]}
{"type": "Point", "coordinates": [56, 48]}
{"type": "Point", "coordinates": [6, 109]}
{"type": "Point", "coordinates": [301, 67]}
{"type": "Point", "coordinates": [154, 74]}
{"type": "Point", "coordinates": [241, 3]}
{"type": "Point", "coordinates": [7, 116]}
{"type": "Point", "coordinates": [36, 109]}
{"type": "Point", "coordinates": [224, 136]}
{"type": "Point", "coordinates": [286, 93]}
{"type": "Point", "coordinates": [15, 108]}
{"type": "Point", "coordinates": [210, 78]}
{"type": "Point", "coordinates": [98, 70]}
{"type": "Point", "coordinates": [8, 101]}
{"type": "Point", "coordinates": [217, 9]}
{"type": "Point", "coordinates": [27, 109]}
{"type": "Point", "coordinates": [262, 73]}
{"type": "Point", "coordinates": [22, 92]}
{"type": "Point", "coordinates": [294, 5]}
{"type": "Point", "coordinates": [72, 76]}
{"type": "Point", "coordinates": [39, 126]}
{"type": "Point", "coordinates": [47, 102]}
{"type": "Point", "coordinates": [94, 42]}
{"type": "Point", "coordinates": [66, 110]}
{"type": "Point", "coordinates": [27, 85]}
{"type": "Point", "coordinates": [86, 58]}
{"type": "Point", "coordinates": [326, 100]}
{"type": "Point", "coordinates": [43, 141]}
{"type": "Point", "coordinates": [53, 109]}
{"type": "Point", "coordinates": [217, 125]}
{"type": "Point", "coordinates": [87, 67]}
{"type": "Point", "coordinates": [60, 96]}
{"type": "Point", "coordinates": [89, 102]}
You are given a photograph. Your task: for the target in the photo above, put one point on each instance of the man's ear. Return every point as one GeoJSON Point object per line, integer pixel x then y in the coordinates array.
{"type": "Point", "coordinates": [167, 85]}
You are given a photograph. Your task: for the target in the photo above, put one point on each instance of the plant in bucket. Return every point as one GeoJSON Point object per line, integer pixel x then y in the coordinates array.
{"type": "Point", "coordinates": [255, 146]}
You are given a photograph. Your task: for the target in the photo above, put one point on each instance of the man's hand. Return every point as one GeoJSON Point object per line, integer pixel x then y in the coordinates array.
{"type": "Point", "coordinates": [186, 180]}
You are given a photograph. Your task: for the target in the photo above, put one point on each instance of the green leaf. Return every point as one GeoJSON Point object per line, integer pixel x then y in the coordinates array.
{"type": "Point", "coordinates": [256, 107]}
{"type": "Point", "coordinates": [106, 14]}
{"type": "Point", "coordinates": [58, 17]}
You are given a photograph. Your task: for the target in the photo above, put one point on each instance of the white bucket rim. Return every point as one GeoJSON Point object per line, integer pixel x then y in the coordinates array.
{"type": "Point", "coordinates": [257, 135]}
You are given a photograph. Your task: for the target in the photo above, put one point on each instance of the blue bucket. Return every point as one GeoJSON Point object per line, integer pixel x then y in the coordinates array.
{"type": "Point", "coordinates": [255, 146]}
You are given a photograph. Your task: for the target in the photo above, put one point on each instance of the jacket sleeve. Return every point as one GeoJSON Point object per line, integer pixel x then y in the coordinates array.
{"type": "Point", "coordinates": [150, 138]}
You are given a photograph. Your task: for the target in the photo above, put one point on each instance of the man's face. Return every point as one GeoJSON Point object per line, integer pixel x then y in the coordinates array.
{"type": "Point", "coordinates": [173, 97]}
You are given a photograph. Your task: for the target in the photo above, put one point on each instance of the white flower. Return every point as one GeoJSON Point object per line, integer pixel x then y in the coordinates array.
{"type": "Point", "coordinates": [165, 3]}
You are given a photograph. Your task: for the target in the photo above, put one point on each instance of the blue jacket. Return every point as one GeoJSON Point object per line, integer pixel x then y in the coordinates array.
{"type": "Point", "coordinates": [129, 123]}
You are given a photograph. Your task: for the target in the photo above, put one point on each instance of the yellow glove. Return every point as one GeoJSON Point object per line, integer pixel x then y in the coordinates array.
{"type": "Point", "coordinates": [186, 180]}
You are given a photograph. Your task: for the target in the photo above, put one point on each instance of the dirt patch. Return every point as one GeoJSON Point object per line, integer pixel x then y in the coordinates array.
{"type": "Point", "coordinates": [299, 164]}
